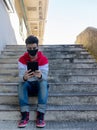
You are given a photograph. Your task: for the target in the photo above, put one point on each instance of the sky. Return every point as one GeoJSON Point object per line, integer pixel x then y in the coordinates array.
{"type": "Point", "coordinates": [68, 18]}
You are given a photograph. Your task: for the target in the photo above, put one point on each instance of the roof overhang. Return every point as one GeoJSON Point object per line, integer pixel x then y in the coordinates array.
{"type": "Point", "coordinates": [34, 13]}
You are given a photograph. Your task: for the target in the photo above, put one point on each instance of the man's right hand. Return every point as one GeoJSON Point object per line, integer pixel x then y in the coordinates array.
{"type": "Point", "coordinates": [28, 74]}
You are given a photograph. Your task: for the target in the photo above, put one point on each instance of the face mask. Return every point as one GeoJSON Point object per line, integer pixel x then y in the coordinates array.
{"type": "Point", "coordinates": [32, 52]}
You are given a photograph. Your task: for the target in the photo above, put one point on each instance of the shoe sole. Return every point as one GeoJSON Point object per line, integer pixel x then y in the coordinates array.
{"type": "Point", "coordinates": [40, 126]}
{"type": "Point", "coordinates": [23, 126]}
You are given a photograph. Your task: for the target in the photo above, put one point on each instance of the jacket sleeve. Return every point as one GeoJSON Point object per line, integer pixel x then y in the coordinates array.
{"type": "Point", "coordinates": [22, 68]}
{"type": "Point", "coordinates": [44, 70]}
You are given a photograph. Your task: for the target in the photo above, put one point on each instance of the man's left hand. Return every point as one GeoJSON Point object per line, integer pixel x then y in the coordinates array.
{"type": "Point", "coordinates": [38, 74]}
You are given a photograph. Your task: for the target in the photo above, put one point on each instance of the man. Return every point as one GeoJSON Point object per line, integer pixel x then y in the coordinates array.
{"type": "Point", "coordinates": [33, 82]}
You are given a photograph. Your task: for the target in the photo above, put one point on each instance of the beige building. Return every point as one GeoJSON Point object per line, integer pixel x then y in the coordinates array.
{"type": "Point", "coordinates": [19, 18]}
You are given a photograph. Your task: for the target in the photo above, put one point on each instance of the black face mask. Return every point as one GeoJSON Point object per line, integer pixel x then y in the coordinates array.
{"type": "Point", "coordinates": [32, 52]}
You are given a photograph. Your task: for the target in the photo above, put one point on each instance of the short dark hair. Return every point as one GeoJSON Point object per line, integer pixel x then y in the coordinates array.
{"type": "Point", "coordinates": [31, 40]}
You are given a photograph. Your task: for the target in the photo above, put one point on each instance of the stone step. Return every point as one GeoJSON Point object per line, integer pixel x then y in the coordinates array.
{"type": "Point", "coordinates": [52, 125]}
{"type": "Point", "coordinates": [54, 65]}
{"type": "Point", "coordinates": [55, 87]}
{"type": "Point", "coordinates": [65, 65]}
{"type": "Point", "coordinates": [46, 51]}
{"type": "Point", "coordinates": [57, 78]}
{"type": "Point", "coordinates": [54, 45]}
{"type": "Point", "coordinates": [73, 78]}
{"type": "Point", "coordinates": [80, 71]}
{"type": "Point", "coordinates": [46, 47]}
{"type": "Point", "coordinates": [54, 60]}
{"type": "Point", "coordinates": [72, 98]}
{"type": "Point", "coordinates": [50, 55]}
{"type": "Point", "coordinates": [51, 58]}
{"type": "Point", "coordinates": [54, 112]}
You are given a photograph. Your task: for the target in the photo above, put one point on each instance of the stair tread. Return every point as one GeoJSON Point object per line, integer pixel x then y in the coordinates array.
{"type": "Point", "coordinates": [52, 107]}
{"type": "Point", "coordinates": [50, 83]}
{"type": "Point", "coordinates": [50, 74]}
{"type": "Point", "coordinates": [74, 94]}
{"type": "Point", "coordinates": [5, 60]}
{"type": "Point", "coordinates": [52, 125]}
{"type": "Point", "coordinates": [56, 94]}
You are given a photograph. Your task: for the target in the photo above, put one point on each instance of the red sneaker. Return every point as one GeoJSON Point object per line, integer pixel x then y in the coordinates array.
{"type": "Point", "coordinates": [24, 121]}
{"type": "Point", "coordinates": [40, 120]}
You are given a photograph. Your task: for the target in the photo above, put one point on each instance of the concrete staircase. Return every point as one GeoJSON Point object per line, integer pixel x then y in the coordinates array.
{"type": "Point", "coordinates": [72, 102]}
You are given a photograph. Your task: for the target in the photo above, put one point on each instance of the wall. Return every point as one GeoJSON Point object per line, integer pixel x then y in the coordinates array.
{"type": "Point", "coordinates": [12, 28]}
{"type": "Point", "coordinates": [7, 35]}
{"type": "Point", "coordinates": [88, 38]}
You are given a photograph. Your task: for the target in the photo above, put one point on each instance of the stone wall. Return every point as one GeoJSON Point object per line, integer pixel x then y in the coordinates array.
{"type": "Point", "coordinates": [89, 40]}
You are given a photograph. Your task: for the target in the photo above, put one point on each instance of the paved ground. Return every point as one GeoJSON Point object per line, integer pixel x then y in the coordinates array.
{"type": "Point", "coordinates": [12, 125]}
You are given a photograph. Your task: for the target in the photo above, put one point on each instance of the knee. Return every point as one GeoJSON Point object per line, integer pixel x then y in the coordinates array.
{"type": "Point", "coordinates": [43, 83]}
{"type": "Point", "coordinates": [23, 86]}
{"type": "Point", "coordinates": [43, 88]}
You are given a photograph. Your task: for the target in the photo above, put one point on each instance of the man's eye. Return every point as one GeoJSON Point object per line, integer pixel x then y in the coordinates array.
{"type": "Point", "coordinates": [34, 48]}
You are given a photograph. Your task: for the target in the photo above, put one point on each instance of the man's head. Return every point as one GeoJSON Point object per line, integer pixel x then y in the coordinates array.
{"type": "Point", "coordinates": [32, 45]}
{"type": "Point", "coordinates": [31, 40]}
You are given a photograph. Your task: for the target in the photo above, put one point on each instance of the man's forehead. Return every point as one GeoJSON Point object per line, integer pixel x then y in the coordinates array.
{"type": "Point", "coordinates": [32, 45]}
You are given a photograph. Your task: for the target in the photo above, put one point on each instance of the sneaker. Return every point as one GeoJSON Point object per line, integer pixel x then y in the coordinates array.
{"type": "Point", "coordinates": [24, 121]}
{"type": "Point", "coordinates": [40, 120]}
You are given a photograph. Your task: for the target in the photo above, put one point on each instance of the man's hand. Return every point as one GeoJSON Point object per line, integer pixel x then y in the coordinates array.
{"type": "Point", "coordinates": [28, 74]}
{"type": "Point", "coordinates": [38, 74]}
